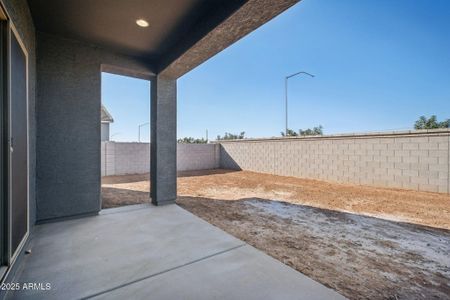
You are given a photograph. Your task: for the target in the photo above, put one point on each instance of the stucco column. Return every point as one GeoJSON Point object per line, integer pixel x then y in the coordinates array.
{"type": "Point", "coordinates": [163, 157]}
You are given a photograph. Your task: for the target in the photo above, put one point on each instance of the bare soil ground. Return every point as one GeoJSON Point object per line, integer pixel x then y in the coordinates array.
{"type": "Point", "coordinates": [364, 242]}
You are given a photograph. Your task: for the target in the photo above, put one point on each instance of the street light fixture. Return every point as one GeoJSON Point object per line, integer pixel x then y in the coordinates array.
{"type": "Point", "coordinates": [286, 94]}
{"type": "Point", "coordinates": [139, 130]}
{"type": "Point", "coordinates": [114, 134]}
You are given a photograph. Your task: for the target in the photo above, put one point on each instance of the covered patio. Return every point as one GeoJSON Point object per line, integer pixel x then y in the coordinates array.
{"type": "Point", "coordinates": [148, 252]}
{"type": "Point", "coordinates": [56, 243]}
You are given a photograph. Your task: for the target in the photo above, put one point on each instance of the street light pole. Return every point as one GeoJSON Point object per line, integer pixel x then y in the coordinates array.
{"type": "Point", "coordinates": [286, 95]}
{"type": "Point", "coordinates": [139, 130]}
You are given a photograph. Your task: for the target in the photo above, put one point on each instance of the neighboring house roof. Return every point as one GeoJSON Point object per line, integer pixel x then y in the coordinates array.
{"type": "Point", "coordinates": [106, 116]}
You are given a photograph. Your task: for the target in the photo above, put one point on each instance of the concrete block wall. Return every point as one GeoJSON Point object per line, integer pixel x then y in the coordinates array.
{"type": "Point", "coordinates": [197, 156]}
{"type": "Point", "coordinates": [125, 158]}
{"type": "Point", "coordinates": [118, 158]}
{"type": "Point", "coordinates": [417, 160]}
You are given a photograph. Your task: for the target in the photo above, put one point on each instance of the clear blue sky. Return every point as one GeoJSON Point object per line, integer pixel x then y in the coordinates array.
{"type": "Point", "coordinates": [128, 101]}
{"type": "Point", "coordinates": [379, 65]}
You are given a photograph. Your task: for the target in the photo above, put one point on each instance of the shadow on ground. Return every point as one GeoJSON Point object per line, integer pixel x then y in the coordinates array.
{"type": "Point", "coordinates": [115, 197]}
{"type": "Point", "coordinates": [199, 173]}
{"type": "Point", "coordinates": [361, 257]}
{"type": "Point", "coordinates": [117, 179]}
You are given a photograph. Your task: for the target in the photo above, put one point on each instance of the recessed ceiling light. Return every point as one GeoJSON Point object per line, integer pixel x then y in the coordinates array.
{"type": "Point", "coordinates": [142, 23]}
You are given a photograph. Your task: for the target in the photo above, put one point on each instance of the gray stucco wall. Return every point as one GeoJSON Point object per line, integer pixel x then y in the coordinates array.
{"type": "Point", "coordinates": [163, 152]}
{"type": "Point", "coordinates": [68, 123]}
{"type": "Point", "coordinates": [418, 160]}
{"type": "Point", "coordinates": [20, 15]}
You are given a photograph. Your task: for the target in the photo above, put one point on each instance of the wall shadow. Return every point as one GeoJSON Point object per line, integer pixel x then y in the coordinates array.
{"type": "Point", "coordinates": [125, 178]}
{"type": "Point", "coordinates": [204, 172]}
{"type": "Point", "coordinates": [227, 161]}
{"type": "Point", "coordinates": [146, 177]}
{"type": "Point", "coordinates": [115, 197]}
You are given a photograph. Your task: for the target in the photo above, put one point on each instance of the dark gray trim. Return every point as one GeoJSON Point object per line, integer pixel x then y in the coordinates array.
{"type": "Point", "coordinates": [126, 72]}
{"type": "Point", "coordinates": [4, 149]}
{"type": "Point", "coordinates": [202, 28]}
{"type": "Point", "coordinates": [217, 33]}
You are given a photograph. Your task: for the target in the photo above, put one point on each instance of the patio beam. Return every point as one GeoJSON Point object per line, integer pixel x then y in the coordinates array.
{"type": "Point", "coordinates": [217, 34]}
{"type": "Point", "coordinates": [163, 154]}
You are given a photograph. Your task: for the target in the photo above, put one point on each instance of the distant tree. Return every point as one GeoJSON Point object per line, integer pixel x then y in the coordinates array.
{"type": "Point", "coordinates": [191, 140]}
{"type": "Point", "coordinates": [289, 132]}
{"type": "Point", "coordinates": [315, 131]}
{"type": "Point", "coordinates": [231, 136]}
{"type": "Point", "coordinates": [431, 123]}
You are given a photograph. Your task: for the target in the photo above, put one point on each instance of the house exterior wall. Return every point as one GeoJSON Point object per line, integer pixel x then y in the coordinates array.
{"type": "Point", "coordinates": [68, 123]}
{"type": "Point", "coordinates": [134, 158]}
{"type": "Point", "coordinates": [409, 160]}
{"type": "Point", "coordinates": [104, 132]}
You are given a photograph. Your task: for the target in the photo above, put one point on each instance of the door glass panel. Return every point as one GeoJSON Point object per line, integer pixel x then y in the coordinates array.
{"type": "Point", "coordinates": [19, 145]}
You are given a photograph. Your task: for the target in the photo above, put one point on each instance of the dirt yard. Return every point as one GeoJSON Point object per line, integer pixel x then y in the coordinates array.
{"type": "Point", "coordinates": [364, 242]}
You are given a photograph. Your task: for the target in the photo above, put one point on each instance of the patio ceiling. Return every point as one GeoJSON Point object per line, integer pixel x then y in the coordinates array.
{"type": "Point", "coordinates": [112, 23]}
{"type": "Point", "coordinates": [175, 26]}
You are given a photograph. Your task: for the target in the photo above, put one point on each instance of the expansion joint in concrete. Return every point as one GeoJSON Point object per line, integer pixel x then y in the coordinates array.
{"type": "Point", "coordinates": [165, 271]}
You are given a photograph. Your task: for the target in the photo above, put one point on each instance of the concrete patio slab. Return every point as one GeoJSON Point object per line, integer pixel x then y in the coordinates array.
{"type": "Point", "coordinates": [158, 252]}
{"type": "Point", "coordinates": [240, 273]}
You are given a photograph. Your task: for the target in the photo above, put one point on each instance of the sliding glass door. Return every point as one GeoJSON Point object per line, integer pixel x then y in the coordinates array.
{"type": "Point", "coordinates": [14, 202]}
{"type": "Point", "coordinates": [18, 142]}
